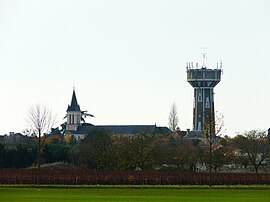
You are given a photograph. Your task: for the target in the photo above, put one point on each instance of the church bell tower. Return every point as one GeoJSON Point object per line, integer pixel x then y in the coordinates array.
{"type": "Point", "coordinates": [74, 114]}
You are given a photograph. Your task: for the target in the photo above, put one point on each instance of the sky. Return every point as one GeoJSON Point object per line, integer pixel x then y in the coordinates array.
{"type": "Point", "coordinates": [127, 59]}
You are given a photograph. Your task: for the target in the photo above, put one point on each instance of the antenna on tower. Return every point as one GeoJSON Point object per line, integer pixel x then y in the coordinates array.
{"type": "Point", "coordinates": [220, 64]}
{"type": "Point", "coordinates": [204, 57]}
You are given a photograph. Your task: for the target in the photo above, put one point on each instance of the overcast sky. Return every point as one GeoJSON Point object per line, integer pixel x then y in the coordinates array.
{"type": "Point", "coordinates": [127, 59]}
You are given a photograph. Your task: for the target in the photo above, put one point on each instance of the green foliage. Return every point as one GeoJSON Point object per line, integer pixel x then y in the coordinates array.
{"type": "Point", "coordinates": [55, 153]}
{"type": "Point", "coordinates": [96, 149]}
{"type": "Point", "coordinates": [143, 151]}
{"type": "Point", "coordinates": [17, 155]}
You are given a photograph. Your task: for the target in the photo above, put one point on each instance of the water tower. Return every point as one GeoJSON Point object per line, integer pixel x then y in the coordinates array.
{"type": "Point", "coordinates": [203, 80]}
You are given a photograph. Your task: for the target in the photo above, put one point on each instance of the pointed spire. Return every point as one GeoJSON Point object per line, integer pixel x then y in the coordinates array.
{"type": "Point", "coordinates": [74, 104]}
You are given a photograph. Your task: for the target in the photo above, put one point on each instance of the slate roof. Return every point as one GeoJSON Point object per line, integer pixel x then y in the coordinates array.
{"type": "Point", "coordinates": [162, 130]}
{"type": "Point", "coordinates": [129, 129]}
{"type": "Point", "coordinates": [194, 135]}
{"type": "Point", "coordinates": [74, 104]}
{"type": "Point", "coordinates": [85, 128]}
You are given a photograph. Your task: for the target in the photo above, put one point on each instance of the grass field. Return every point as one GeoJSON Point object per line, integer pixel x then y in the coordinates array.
{"type": "Point", "coordinates": [134, 193]}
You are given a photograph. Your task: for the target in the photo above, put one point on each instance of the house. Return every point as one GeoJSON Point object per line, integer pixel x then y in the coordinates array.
{"type": "Point", "coordinates": [15, 138]}
{"type": "Point", "coordinates": [75, 128]}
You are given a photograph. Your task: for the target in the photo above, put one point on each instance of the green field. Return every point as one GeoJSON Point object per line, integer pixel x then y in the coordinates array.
{"type": "Point", "coordinates": [134, 193]}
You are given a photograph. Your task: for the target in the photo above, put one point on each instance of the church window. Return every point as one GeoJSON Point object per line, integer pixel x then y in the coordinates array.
{"type": "Point", "coordinates": [69, 119]}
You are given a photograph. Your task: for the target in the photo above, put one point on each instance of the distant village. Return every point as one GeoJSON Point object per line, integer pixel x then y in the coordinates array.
{"type": "Point", "coordinates": [77, 144]}
{"type": "Point", "coordinates": [76, 128]}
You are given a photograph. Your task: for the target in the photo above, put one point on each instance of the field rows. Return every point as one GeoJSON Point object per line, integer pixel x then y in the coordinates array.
{"type": "Point", "coordinates": [74, 177]}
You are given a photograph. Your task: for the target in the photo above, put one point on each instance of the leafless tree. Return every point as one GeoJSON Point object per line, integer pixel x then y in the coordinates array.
{"type": "Point", "coordinates": [213, 127]}
{"type": "Point", "coordinates": [254, 147]}
{"type": "Point", "coordinates": [173, 118]}
{"type": "Point", "coordinates": [41, 121]}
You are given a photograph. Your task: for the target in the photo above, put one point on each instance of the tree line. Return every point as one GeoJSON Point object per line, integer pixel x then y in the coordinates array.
{"type": "Point", "coordinates": [102, 150]}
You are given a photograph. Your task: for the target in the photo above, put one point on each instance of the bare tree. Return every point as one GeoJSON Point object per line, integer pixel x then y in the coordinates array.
{"type": "Point", "coordinates": [41, 121]}
{"type": "Point", "coordinates": [254, 147]}
{"type": "Point", "coordinates": [213, 126]}
{"type": "Point", "coordinates": [173, 118]}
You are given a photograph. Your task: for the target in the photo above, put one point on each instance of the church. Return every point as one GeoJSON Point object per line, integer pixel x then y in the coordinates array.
{"type": "Point", "coordinates": [76, 127]}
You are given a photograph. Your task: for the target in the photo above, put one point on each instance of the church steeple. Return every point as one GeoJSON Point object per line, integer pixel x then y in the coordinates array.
{"type": "Point", "coordinates": [74, 104]}
{"type": "Point", "coordinates": [74, 114]}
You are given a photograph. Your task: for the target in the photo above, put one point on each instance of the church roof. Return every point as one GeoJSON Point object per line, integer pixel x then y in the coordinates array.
{"type": "Point", "coordinates": [128, 129]}
{"type": "Point", "coordinates": [74, 104]}
{"type": "Point", "coordinates": [124, 129]}
{"type": "Point", "coordinates": [85, 128]}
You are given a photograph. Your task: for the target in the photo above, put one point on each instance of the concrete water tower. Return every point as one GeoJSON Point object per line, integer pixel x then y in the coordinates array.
{"type": "Point", "coordinates": [203, 80]}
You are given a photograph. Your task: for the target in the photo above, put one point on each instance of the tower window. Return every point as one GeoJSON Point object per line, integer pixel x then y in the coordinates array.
{"type": "Point", "coordinates": [200, 96]}
{"type": "Point", "coordinates": [199, 125]}
{"type": "Point", "coordinates": [69, 120]}
{"type": "Point", "coordinates": [207, 103]}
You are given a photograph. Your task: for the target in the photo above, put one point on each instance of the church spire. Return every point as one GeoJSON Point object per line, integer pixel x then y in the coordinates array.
{"type": "Point", "coordinates": [74, 104]}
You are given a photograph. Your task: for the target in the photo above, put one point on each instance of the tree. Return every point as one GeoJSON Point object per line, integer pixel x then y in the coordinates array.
{"type": "Point", "coordinates": [122, 154]}
{"type": "Point", "coordinates": [136, 151]}
{"type": "Point", "coordinates": [254, 147]}
{"type": "Point", "coordinates": [85, 114]}
{"type": "Point", "coordinates": [143, 147]}
{"type": "Point", "coordinates": [96, 149]}
{"type": "Point", "coordinates": [185, 155]}
{"type": "Point", "coordinates": [55, 153]}
{"type": "Point", "coordinates": [211, 129]}
{"type": "Point", "coordinates": [173, 118]}
{"type": "Point", "coordinates": [41, 121]}
{"type": "Point", "coordinates": [221, 156]}
{"type": "Point", "coordinates": [17, 155]}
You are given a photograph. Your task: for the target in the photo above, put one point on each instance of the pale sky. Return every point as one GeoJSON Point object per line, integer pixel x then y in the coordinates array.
{"type": "Point", "coordinates": [127, 59]}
